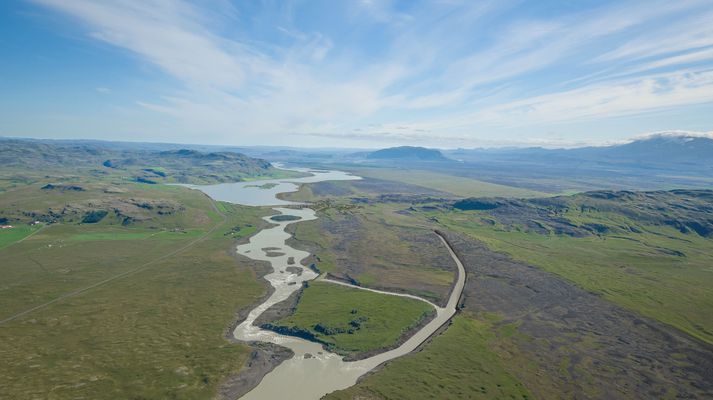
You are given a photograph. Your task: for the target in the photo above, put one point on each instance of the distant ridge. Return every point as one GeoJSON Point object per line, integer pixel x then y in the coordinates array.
{"type": "Point", "coordinates": [669, 150]}
{"type": "Point", "coordinates": [408, 153]}
{"type": "Point", "coordinates": [662, 148]}
{"type": "Point", "coordinates": [145, 166]}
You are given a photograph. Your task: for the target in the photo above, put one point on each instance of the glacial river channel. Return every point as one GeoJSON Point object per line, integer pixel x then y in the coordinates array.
{"type": "Point", "coordinates": [312, 372]}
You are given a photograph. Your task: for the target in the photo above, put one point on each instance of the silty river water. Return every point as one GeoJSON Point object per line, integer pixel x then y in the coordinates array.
{"type": "Point", "coordinates": [313, 371]}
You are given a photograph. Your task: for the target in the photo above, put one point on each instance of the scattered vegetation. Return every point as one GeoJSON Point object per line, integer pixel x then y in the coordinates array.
{"type": "Point", "coordinates": [280, 218]}
{"type": "Point", "coordinates": [374, 246]}
{"type": "Point", "coordinates": [264, 186]}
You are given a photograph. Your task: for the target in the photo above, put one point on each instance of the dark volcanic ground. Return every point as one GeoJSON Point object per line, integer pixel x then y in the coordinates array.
{"type": "Point", "coordinates": [583, 346]}
{"type": "Point", "coordinates": [394, 254]}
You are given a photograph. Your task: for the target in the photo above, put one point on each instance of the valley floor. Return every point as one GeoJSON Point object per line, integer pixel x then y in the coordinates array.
{"type": "Point", "coordinates": [565, 297]}
{"type": "Point", "coordinates": [558, 329]}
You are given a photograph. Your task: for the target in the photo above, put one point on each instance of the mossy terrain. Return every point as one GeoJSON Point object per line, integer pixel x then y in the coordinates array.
{"type": "Point", "coordinates": [351, 321]}
{"type": "Point", "coordinates": [650, 252]}
{"type": "Point", "coordinates": [374, 246]}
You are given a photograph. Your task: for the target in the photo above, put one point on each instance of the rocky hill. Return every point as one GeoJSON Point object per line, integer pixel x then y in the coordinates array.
{"type": "Point", "coordinates": [597, 212]}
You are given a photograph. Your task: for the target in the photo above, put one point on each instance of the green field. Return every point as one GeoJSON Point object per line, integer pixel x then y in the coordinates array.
{"type": "Point", "coordinates": [463, 363]}
{"type": "Point", "coordinates": [353, 320]}
{"type": "Point", "coordinates": [456, 185]}
{"type": "Point", "coordinates": [106, 311]}
{"type": "Point", "coordinates": [130, 234]}
{"type": "Point", "coordinates": [16, 233]}
{"type": "Point", "coordinates": [658, 272]}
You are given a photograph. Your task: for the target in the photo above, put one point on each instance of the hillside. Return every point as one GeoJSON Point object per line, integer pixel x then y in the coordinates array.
{"type": "Point", "coordinates": [599, 212]}
{"type": "Point", "coordinates": [659, 149]}
{"type": "Point", "coordinates": [20, 159]}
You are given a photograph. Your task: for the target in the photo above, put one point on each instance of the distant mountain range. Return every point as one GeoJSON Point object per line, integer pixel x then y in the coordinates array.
{"type": "Point", "coordinates": [654, 162]}
{"type": "Point", "coordinates": [660, 151]}
{"type": "Point", "coordinates": [657, 151]}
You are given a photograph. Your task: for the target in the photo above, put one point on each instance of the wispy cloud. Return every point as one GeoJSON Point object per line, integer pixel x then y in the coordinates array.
{"type": "Point", "coordinates": [165, 34]}
{"type": "Point", "coordinates": [608, 99]}
{"type": "Point", "coordinates": [436, 69]}
{"type": "Point", "coordinates": [668, 35]}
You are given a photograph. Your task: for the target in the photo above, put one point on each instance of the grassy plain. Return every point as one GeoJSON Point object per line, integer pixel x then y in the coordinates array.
{"type": "Point", "coordinates": [455, 185]}
{"type": "Point", "coordinates": [465, 362]}
{"type": "Point", "coordinates": [363, 188]}
{"type": "Point", "coordinates": [130, 311]}
{"type": "Point", "coordinates": [16, 233]}
{"type": "Point", "coordinates": [353, 320]}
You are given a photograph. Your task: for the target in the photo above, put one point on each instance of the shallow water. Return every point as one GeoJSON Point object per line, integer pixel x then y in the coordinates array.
{"type": "Point", "coordinates": [312, 372]}
{"type": "Point", "coordinates": [252, 194]}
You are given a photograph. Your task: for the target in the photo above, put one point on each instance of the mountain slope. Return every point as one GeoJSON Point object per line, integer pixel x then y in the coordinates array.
{"type": "Point", "coordinates": [658, 149]}
{"type": "Point", "coordinates": [24, 157]}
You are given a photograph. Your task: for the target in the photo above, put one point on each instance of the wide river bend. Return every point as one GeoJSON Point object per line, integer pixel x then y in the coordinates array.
{"type": "Point", "coordinates": [312, 372]}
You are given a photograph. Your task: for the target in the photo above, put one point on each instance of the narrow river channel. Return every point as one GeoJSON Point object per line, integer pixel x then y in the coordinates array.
{"type": "Point", "coordinates": [312, 372]}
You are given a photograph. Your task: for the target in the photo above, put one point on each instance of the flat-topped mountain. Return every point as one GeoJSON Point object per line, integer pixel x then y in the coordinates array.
{"type": "Point", "coordinates": [407, 152]}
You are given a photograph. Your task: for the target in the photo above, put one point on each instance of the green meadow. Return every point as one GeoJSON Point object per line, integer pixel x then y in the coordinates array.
{"type": "Point", "coordinates": [106, 311]}
{"type": "Point", "coordinates": [459, 186]}
{"type": "Point", "coordinates": [16, 233]}
{"type": "Point", "coordinates": [352, 320]}
{"type": "Point", "coordinates": [464, 362]}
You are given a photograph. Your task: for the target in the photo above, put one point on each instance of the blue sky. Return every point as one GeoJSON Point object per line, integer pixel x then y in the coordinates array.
{"type": "Point", "coordinates": [445, 73]}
